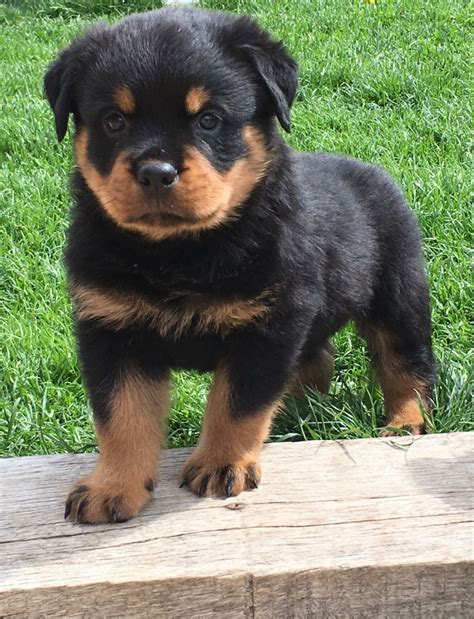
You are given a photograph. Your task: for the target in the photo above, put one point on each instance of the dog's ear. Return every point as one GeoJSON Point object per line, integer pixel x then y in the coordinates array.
{"type": "Point", "coordinates": [276, 69]}
{"type": "Point", "coordinates": [58, 87]}
{"type": "Point", "coordinates": [279, 73]}
{"type": "Point", "coordinates": [61, 78]}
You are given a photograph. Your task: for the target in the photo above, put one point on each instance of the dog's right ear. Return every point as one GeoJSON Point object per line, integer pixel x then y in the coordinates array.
{"type": "Point", "coordinates": [59, 86]}
{"type": "Point", "coordinates": [61, 78]}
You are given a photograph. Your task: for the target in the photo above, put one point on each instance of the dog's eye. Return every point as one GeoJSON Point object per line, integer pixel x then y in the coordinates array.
{"type": "Point", "coordinates": [208, 121]}
{"type": "Point", "coordinates": [114, 122]}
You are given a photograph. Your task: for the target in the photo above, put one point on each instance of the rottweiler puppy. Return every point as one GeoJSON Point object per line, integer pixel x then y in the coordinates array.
{"type": "Point", "coordinates": [200, 240]}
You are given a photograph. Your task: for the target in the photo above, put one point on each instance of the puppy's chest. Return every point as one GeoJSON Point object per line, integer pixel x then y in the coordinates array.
{"type": "Point", "coordinates": [172, 315]}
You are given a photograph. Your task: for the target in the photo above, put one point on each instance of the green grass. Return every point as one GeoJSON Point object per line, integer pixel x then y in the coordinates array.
{"type": "Point", "coordinates": [388, 83]}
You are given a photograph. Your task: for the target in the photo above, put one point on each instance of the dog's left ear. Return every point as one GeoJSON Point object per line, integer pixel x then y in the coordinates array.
{"type": "Point", "coordinates": [275, 67]}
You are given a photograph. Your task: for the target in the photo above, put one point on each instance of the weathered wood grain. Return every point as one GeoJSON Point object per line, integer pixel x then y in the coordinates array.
{"type": "Point", "coordinates": [362, 528]}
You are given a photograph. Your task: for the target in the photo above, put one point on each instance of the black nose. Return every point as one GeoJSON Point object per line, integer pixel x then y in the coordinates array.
{"type": "Point", "coordinates": [157, 176]}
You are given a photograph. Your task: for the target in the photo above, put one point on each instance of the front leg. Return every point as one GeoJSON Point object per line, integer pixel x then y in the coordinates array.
{"type": "Point", "coordinates": [243, 400]}
{"type": "Point", "coordinates": [226, 460]}
{"type": "Point", "coordinates": [129, 396]}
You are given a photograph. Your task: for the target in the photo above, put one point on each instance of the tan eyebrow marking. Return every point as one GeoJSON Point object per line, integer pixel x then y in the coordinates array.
{"type": "Point", "coordinates": [125, 99]}
{"type": "Point", "coordinates": [196, 99]}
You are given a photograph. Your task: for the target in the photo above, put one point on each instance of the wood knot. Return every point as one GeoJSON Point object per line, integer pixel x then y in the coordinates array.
{"type": "Point", "coordinates": [235, 506]}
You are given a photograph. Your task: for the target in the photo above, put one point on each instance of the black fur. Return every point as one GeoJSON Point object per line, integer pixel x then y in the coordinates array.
{"type": "Point", "coordinates": [332, 235]}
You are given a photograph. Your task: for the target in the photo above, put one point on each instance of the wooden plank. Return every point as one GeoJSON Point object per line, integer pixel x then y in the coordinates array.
{"type": "Point", "coordinates": [361, 528]}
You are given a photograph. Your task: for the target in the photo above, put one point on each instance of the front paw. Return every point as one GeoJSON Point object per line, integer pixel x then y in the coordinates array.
{"type": "Point", "coordinates": [209, 477]}
{"type": "Point", "coordinates": [93, 500]}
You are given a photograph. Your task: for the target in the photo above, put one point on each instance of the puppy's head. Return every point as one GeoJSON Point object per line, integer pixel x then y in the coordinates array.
{"type": "Point", "coordinates": [174, 115]}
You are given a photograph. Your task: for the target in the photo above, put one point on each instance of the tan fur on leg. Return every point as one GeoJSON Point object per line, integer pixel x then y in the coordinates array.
{"type": "Point", "coordinates": [403, 392]}
{"type": "Point", "coordinates": [226, 460]}
{"type": "Point", "coordinates": [129, 443]}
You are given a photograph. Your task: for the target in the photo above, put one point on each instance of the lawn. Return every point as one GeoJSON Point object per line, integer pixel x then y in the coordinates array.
{"type": "Point", "coordinates": [387, 82]}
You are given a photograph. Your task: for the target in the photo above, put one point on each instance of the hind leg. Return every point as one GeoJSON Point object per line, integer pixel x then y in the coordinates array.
{"type": "Point", "coordinates": [406, 388]}
{"type": "Point", "coordinates": [398, 335]}
{"type": "Point", "coordinates": [315, 370]}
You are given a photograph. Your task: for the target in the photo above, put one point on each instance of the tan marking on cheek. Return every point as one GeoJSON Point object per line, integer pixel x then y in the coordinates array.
{"type": "Point", "coordinates": [123, 200]}
{"type": "Point", "coordinates": [211, 197]}
{"type": "Point", "coordinates": [170, 319]}
{"type": "Point", "coordinates": [196, 99]}
{"type": "Point", "coordinates": [125, 99]}
{"type": "Point", "coordinates": [248, 172]}
{"type": "Point", "coordinates": [117, 192]}
{"type": "Point", "coordinates": [201, 190]}
{"type": "Point", "coordinates": [214, 196]}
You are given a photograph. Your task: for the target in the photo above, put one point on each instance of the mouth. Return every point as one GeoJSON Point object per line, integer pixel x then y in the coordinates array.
{"type": "Point", "coordinates": [169, 219]}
